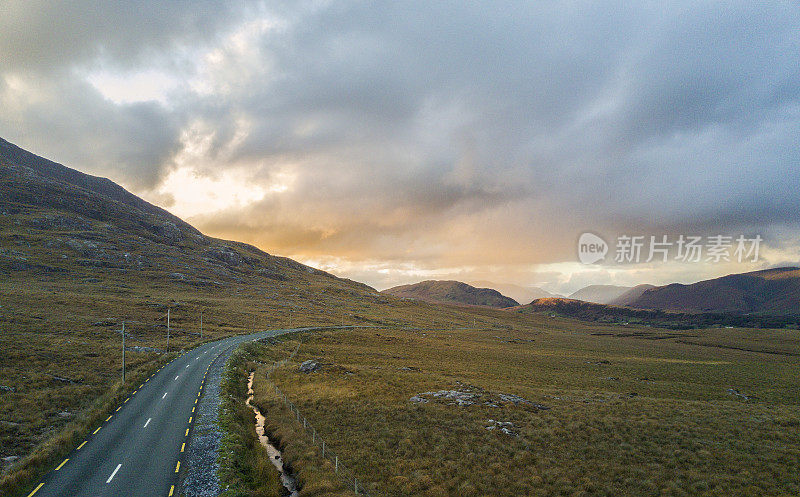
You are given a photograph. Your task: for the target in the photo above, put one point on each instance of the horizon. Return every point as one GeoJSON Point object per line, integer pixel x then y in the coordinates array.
{"type": "Point", "coordinates": [394, 144]}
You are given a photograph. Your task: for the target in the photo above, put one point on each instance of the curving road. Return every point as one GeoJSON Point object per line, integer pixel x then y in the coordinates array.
{"type": "Point", "coordinates": [139, 449]}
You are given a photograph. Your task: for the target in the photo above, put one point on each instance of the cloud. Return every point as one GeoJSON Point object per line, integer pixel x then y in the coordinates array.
{"type": "Point", "coordinates": [429, 134]}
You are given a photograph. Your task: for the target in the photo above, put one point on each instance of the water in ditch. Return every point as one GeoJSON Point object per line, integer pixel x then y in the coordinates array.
{"type": "Point", "coordinates": [274, 454]}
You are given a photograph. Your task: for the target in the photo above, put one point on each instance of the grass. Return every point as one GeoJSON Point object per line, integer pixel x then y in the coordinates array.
{"type": "Point", "coordinates": [628, 415]}
{"type": "Point", "coordinates": [245, 468]}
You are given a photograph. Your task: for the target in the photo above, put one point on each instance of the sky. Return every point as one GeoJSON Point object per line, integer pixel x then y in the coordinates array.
{"type": "Point", "coordinates": [392, 142]}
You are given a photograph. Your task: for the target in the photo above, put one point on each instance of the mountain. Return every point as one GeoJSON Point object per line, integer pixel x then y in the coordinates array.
{"type": "Point", "coordinates": [452, 292]}
{"type": "Point", "coordinates": [522, 294]}
{"type": "Point", "coordinates": [599, 294]}
{"type": "Point", "coordinates": [58, 221]}
{"type": "Point", "coordinates": [631, 295]}
{"type": "Point", "coordinates": [770, 291]}
{"type": "Point", "coordinates": [604, 313]}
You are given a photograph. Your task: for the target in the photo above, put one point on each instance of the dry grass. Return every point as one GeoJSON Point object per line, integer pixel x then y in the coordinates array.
{"type": "Point", "coordinates": [55, 327]}
{"type": "Point", "coordinates": [629, 416]}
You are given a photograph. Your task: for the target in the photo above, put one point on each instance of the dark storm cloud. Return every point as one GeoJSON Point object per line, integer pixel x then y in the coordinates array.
{"type": "Point", "coordinates": [48, 35]}
{"type": "Point", "coordinates": [472, 132]}
{"type": "Point", "coordinates": [46, 50]}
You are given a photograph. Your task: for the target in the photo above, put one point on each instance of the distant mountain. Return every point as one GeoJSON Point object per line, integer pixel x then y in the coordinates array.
{"type": "Point", "coordinates": [770, 291]}
{"type": "Point", "coordinates": [603, 313]}
{"type": "Point", "coordinates": [522, 294]}
{"type": "Point", "coordinates": [600, 294]}
{"type": "Point", "coordinates": [631, 295]}
{"type": "Point", "coordinates": [452, 292]}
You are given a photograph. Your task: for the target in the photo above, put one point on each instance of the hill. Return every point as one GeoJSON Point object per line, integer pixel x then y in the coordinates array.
{"type": "Point", "coordinates": [522, 294]}
{"type": "Point", "coordinates": [599, 294]}
{"type": "Point", "coordinates": [770, 291]}
{"type": "Point", "coordinates": [56, 220]}
{"type": "Point", "coordinates": [604, 313]}
{"type": "Point", "coordinates": [452, 292]}
{"type": "Point", "coordinates": [631, 295]}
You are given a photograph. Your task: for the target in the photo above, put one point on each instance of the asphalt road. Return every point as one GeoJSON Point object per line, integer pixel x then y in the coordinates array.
{"type": "Point", "coordinates": [139, 449]}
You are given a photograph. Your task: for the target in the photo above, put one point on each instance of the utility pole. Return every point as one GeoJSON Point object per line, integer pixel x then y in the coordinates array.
{"type": "Point", "coordinates": [167, 330]}
{"type": "Point", "coordinates": [123, 352]}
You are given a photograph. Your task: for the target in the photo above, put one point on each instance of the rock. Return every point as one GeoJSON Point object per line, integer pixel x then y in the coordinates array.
{"type": "Point", "coordinates": [505, 427]}
{"type": "Point", "coordinates": [457, 397]}
{"type": "Point", "coordinates": [225, 254]}
{"type": "Point", "coordinates": [63, 380]}
{"type": "Point", "coordinates": [10, 459]}
{"type": "Point", "coordinates": [733, 391]}
{"type": "Point", "coordinates": [4, 388]}
{"type": "Point", "coordinates": [310, 366]}
{"type": "Point", "coordinates": [64, 414]}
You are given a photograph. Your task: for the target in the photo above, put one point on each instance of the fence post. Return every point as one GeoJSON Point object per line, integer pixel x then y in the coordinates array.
{"type": "Point", "coordinates": [323, 448]}
{"type": "Point", "coordinates": [337, 464]}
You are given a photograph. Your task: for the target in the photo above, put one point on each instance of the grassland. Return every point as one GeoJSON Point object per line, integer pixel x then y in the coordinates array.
{"type": "Point", "coordinates": [629, 413]}
{"type": "Point", "coordinates": [632, 410]}
{"type": "Point", "coordinates": [60, 341]}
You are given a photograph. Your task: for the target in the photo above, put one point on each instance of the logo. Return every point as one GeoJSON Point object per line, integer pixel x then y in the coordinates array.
{"type": "Point", "coordinates": [591, 248]}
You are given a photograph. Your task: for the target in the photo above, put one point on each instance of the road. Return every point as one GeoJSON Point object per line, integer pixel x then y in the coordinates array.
{"type": "Point", "coordinates": [139, 449]}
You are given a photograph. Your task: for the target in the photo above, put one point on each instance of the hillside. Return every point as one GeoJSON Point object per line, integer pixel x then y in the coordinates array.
{"type": "Point", "coordinates": [59, 221]}
{"type": "Point", "coordinates": [522, 294]}
{"type": "Point", "coordinates": [605, 313]}
{"type": "Point", "coordinates": [770, 291]}
{"type": "Point", "coordinates": [599, 294]}
{"type": "Point", "coordinates": [452, 292]}
{"type": "Point", "coordinates": [631, 295]}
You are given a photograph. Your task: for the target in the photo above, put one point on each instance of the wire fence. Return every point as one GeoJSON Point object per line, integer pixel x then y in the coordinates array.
{"type": "Point", "coordinates": [346, 475]}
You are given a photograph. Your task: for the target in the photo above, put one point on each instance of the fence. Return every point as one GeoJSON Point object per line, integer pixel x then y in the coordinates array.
{"type": "Point", "coordinates": [344, 473]}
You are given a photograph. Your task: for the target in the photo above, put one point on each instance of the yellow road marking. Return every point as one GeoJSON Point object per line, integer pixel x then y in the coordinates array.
{"type": "Point", "coordinates": [62, 464]}
{"type": "Point", "coordinates": [183, 446]}
{"type": "Point", "coordinates": [171, 489]}
{"type": "Point", "coordinates": [81, 445]}
{"type": "Point", "coordinates": [126, 400]}
{"type": "Point", "coordinates": [187, 432]}
{"type": "Point", "coordinates": [109, 418]}
{"type": "Point", "coordinates": [193, 408]}
{"type": "Point", "coordinates": [195, 401]}
{"type": "Point", "coordinates": [190, 420]}
{"type": "Point", "coordinates": [95, 431]}
{"type": "Point", "coordinates": [118, 408]}
{"type": "Point", "coordinates": [134, 392]}
{"type": "Point", "coordinates": [36, 489]}
{"type": "Point", "coordinates": [177, 466]}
